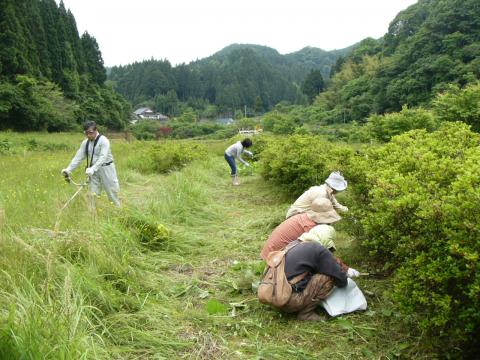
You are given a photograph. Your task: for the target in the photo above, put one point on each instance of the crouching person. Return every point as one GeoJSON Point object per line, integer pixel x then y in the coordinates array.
{"type": "Point", "coordinates": [298, 278]}
{"type": "Point", "coordinates": [291, 229]}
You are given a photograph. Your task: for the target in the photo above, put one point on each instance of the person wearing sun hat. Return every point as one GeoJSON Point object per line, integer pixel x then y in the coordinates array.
{"type": "Point", "coordinates": [321, 212]}
{"type": "Point", "coordinates": [334, 183]}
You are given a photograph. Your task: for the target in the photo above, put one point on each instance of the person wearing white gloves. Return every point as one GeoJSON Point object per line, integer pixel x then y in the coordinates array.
{"type": "Point", "coordinates": [334, 183]}
{"type": "Point", "coordinates": [100, 166]}
{"type": "Point", "coordinates": [325, 235]}
{"type": "Point", "coordinates": [313, 272]}
{"type": "Point", "coordinates": [235, 152]}
{"type": "Point", "coordinates": [351, 273]}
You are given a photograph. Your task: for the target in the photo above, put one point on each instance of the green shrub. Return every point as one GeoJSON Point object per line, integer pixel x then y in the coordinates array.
{"type": "Point", "coordinates": [223, 133]}
{"type": "Point", "coordinates": [351, 132]}
{"type": "Point", "coordinates": [146, 129]}
{"type": "Point", "coordinates": [384, 127]}
{"type": "Point", "coordinates": [298, 162]}
{"type": "Point", "coordinates": [165, 157]}
{"type": "Point", "coordinates": [279, 123]}
{"type": "Point", "coordinates": [419, 213]}
{"type": "Point", "coordinates": [259, 145]}
{"type": "Point", "coordinates": [459, 105]}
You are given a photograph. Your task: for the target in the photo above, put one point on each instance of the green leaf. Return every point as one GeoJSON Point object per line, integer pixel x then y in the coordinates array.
{"type": "Point", "coordinates": [215, 307]}
{"type": "Point", "coordinates": [345, 324]}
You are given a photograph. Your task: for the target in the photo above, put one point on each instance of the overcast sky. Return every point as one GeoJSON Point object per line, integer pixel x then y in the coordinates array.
{"type": "Point", "coordinates": [186, 30]}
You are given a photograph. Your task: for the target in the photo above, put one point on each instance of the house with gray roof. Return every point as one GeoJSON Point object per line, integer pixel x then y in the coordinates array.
{"type": "Point", "coordinates": [145, 113]}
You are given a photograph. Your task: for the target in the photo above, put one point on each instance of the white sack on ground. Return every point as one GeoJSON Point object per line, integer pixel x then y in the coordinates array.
{"type": "Point", "coordinates": [345, 300]}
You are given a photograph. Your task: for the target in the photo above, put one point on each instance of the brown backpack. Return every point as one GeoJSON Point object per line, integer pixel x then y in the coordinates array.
{"type": "Point", "coordinates": [275, 289]}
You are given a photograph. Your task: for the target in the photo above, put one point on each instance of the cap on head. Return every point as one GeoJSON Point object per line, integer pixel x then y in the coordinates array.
{"type": "Point", "coordinates": [336, 181]}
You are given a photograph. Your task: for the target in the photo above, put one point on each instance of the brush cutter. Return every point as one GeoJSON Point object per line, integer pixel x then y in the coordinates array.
{"type": "Point", "coordinates": [80, 187]}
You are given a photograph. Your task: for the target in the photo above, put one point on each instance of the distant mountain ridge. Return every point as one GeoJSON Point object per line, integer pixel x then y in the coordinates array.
{"type": "Point", "coordinates": [237, 75]}
{"type": "Point", "coordinates": [305, 59]}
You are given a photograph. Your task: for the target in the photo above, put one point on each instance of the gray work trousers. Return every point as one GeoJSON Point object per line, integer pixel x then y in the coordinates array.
{"type": "Point", "coordinates": [106, 177]}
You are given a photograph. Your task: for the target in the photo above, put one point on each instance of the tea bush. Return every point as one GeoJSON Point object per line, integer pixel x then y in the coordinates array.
{"type": "Point", "coordinates": [165, 157]}
{"type": "Point", "coordinates": [416, 204]}
{"type": "Point", "coordinates": [181, 130]}
{"type": "Point", "coordinates": [298, 162]}
{"type": "Point", "coordinates": [279, 123]}
{"type": "Point", "coordinates": [419, 215]}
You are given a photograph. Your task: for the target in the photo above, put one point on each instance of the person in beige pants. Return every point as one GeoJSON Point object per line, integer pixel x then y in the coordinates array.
{"type": "Point", "coordinates": [100, 166]}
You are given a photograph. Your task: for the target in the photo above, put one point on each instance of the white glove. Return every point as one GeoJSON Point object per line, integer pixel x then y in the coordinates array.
{"type": "Point", "coordinates": [89, 171]}
{"type": "Point", "coordinates": [343, 209]}
{"type": "Point", "coordinates": [351, 272]}
{"type": "Point", "coordinates": [65, 172]}
{"type": "Point", "coordinates": [247, 164]}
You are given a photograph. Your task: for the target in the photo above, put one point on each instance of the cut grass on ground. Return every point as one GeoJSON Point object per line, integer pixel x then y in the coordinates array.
{"type": "Point", "coordinates": [94, 291]}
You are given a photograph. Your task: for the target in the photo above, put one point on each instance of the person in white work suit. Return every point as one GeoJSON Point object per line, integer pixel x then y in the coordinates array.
{"type": "Point", "coordinates": [100, 166]}
{"type": "Point", "coordinates": [235, 152]}
{"type": "Point", "coordinates": [334, 183]}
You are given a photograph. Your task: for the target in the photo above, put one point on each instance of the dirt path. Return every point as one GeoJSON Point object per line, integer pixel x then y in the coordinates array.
{"type": "Point", "coordinates": [213, 261]}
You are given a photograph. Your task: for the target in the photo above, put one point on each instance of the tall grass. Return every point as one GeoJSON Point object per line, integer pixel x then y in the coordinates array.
{"type": "Point", "coordinates": [95, 290]}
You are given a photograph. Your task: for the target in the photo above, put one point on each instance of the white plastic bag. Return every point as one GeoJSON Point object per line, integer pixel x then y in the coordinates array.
{"type": "Point", "coordinates": [345, 300]}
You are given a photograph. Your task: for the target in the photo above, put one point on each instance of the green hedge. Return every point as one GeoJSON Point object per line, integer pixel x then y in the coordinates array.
{"type": "Point", "coordinates": [298, 162]}
{"type": "Point", "coordinates": [417, 201]}
{"type": "Point", "coordinates": [384, 127]}
{"type": "Point", "coordinates": [420, 217]}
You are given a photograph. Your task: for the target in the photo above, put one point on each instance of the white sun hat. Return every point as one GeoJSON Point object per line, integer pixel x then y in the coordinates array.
{"type": "Point", "coordinates": [336, 181]}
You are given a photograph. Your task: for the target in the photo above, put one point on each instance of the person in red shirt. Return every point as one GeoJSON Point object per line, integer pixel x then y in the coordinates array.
{"type": "Point", "coordinates": [291, 229]}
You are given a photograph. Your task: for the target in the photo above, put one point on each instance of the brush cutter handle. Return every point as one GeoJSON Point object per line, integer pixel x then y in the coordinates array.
{"type": "Point", "coordinates": [71, 181]}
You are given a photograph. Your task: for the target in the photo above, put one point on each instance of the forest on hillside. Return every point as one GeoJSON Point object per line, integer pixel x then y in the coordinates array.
{"type": "Point", "coordinates": [425, 70]}
{"type": "Point", "coordinates": [239, 75]}
{"type": "Point", "coordinates": [429, 47]}
{"type": "Point", "coordinates": [50, 77]}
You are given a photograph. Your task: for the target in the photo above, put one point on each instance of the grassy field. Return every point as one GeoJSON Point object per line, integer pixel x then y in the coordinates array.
{"type": "Point", "coordinates": [95, 290]}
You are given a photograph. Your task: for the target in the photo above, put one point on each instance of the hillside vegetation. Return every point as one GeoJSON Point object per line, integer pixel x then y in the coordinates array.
{"type": "Point", "coordinates": [50, 77]}
{"type": "Point", "coordinates": [428, 47]}
{"type": "Point", "coordinates": [239, 75]}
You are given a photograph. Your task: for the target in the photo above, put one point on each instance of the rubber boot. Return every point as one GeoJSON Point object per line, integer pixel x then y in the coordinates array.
{"type": "Point", "coordinates": [235, 180]}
